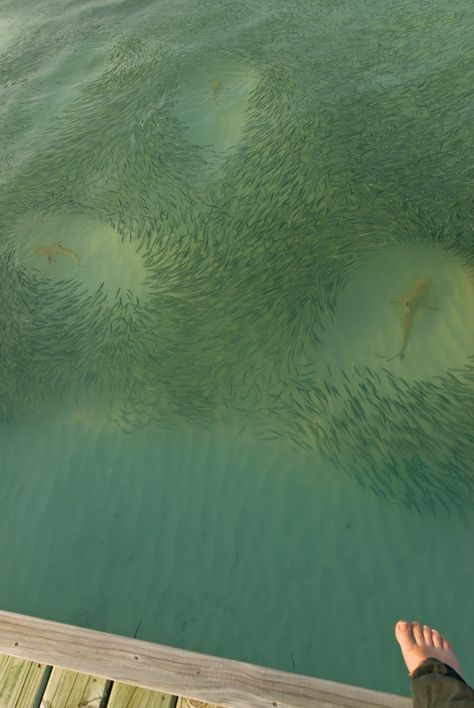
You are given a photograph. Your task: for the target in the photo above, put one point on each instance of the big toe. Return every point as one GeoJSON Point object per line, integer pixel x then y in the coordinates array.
{"type": "Point", "coordinates": [404, 634]}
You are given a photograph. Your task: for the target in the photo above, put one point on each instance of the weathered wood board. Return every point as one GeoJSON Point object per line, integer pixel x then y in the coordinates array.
{"type": "Point", "coordinates": [227, 683]}
{"type": "Point", "coordinates": [19, 681]}
{"type": "Point", "coordinates": [190, 703]}
{"type": "Point", "coordinates": [68, 689]}
{"type": "Point", "coordinates": [123, 696]}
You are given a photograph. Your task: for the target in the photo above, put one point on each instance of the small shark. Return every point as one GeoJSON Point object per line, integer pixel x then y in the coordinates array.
{"type": "Point", "coordinates": [215, 89]}
{"type": "Point", "coordinates": [57, 250]}
{"type": "Point", "coordinates": [412, 301]}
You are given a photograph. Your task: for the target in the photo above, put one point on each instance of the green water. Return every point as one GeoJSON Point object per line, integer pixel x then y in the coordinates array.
{"type": "Point", "coordinates": [202, 439]}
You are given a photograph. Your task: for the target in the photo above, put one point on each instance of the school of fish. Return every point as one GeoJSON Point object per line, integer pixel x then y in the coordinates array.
{"type": "Point", "coordinates": [242, 269]}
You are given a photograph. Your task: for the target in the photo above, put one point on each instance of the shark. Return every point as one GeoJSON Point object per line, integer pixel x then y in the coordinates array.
{"type": "Point", "coordinates": [56, 250]}
{"type": "Point", "coordinates": [215, 89]}
{"type": "Point", "coordinates": [414, 300]}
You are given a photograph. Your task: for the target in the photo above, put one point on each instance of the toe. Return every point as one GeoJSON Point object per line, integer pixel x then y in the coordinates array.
{"type": "Point", "coordinates": [402, 626]}
{"type": "Point", "coordinates": [403, 632]}
{"type": "Point", "coordinates": [427, 633]}
{"type": "Point", "coordinates": [437, 639]}
{"type": "Point", "coordinates": [418, 634]}
{"type": "Point", "coordinates": [446, 644]}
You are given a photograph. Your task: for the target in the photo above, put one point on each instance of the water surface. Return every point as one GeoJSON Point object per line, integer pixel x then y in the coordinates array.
{"type": "Point", "coordinates": [205, 213]}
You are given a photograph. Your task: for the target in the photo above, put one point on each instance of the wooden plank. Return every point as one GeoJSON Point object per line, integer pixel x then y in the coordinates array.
{"type": "Point", "coordinates": [123, 696]}
{"type": "Point", "coordinates": [68, 689]}
{"type": "Point", "coordinates": [226, 683]}
{"type": "Point", "coordinates": [19, 682]}
{"type": "Point", "coordinates": [190, 703]}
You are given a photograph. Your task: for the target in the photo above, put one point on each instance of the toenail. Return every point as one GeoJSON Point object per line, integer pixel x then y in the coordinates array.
{"type": "Point", "coordinates": [403, 625]}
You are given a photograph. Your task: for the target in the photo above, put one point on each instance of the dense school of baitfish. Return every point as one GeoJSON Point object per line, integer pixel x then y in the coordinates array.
{"type": "Point", "coordinates": [245, 253]}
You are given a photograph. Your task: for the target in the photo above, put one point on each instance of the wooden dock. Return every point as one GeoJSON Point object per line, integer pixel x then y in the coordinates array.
{"type": "Point", "coordinates": [51, 665]}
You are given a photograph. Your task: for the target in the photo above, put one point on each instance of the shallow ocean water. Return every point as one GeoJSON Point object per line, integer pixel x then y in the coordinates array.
{"type": "Point", "coordinates": [202, 440]}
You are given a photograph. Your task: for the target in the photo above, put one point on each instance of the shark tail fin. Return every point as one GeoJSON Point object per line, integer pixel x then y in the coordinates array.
{"type": "Point", "coordinates": [429, 305]}
{"type": "Point", "coordinates": [391, 358]}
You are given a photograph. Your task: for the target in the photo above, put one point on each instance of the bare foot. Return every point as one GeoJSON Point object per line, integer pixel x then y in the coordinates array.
{"type": "Point", "coordinates": [418, 642]}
